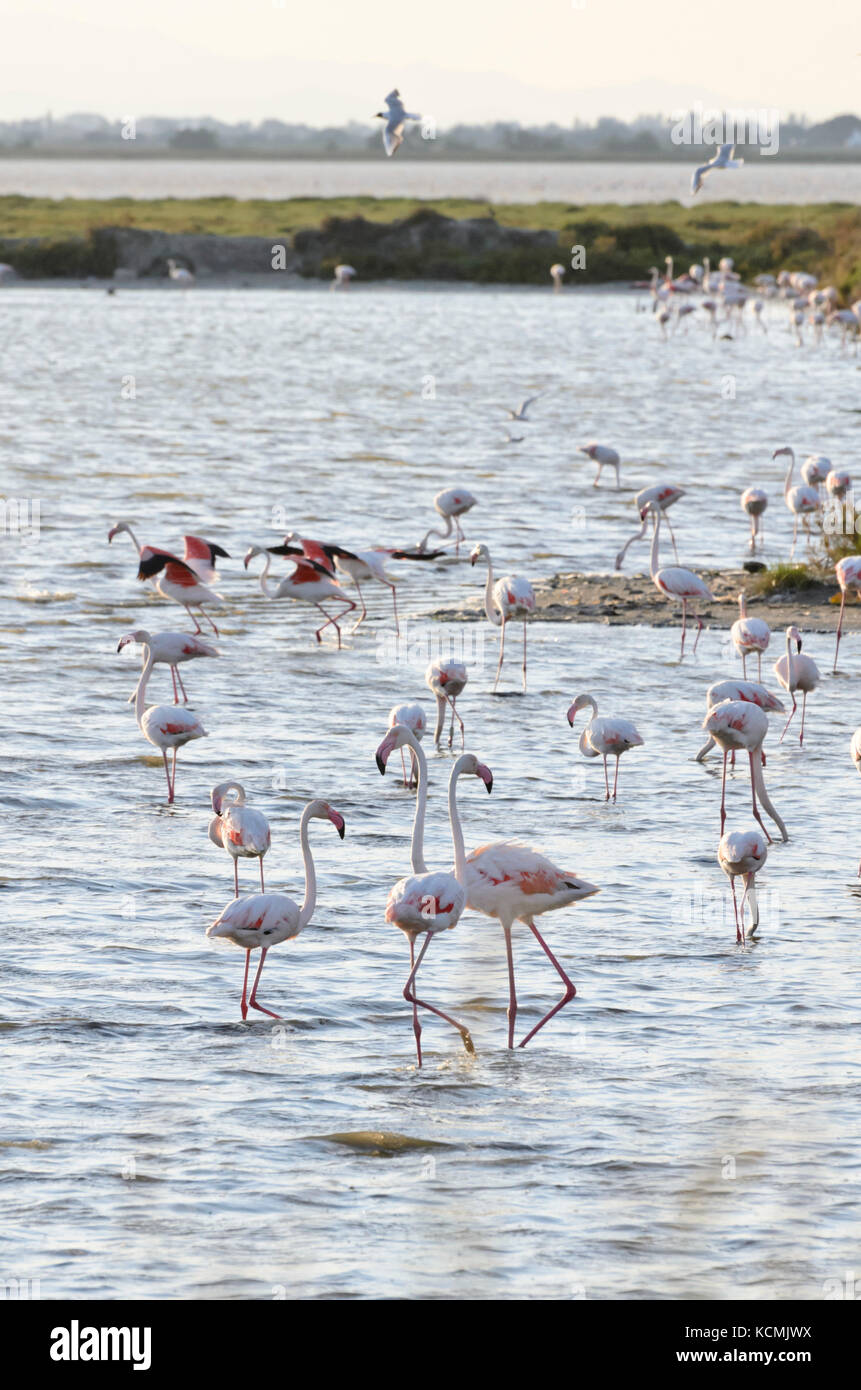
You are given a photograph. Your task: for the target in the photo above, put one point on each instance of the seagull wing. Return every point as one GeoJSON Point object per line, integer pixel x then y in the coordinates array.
{"type": "Point", "coordinates": [393, 137]}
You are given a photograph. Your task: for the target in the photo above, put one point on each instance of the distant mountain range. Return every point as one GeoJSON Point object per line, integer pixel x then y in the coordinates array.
{"type": "Point", "coordinates": [646, 137]}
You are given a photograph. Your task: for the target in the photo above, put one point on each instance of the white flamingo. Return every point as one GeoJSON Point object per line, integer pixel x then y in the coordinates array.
{"type": "Point", "coordinates": [238, 828]}
{"type": "Point", "coordinates": [749, 635]}
{"type": "Point", "coordinates": [796, 672]}
{"type": "Point", "coordinates": [511, 598]}
{"type": "Point", "coordinates": [603, 737]}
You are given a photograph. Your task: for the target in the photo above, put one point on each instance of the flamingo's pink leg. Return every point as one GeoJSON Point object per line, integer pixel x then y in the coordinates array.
{"type": "Point", "coordinates": [501, 652]}
{"type": "Point", "coordinates": [181, 686]}
{"type": "Point", "coordinates": [803, 710]}
{"type": "Point", "coordinates": [606, 781]}
{"type": "Point", "coordinates": [236, 878]}
{"type": "Point", "coordinates": [243, 1005]}
{"type": "Point", "coordinates": [364, 613]}
{"type": "Point", "coordinates": [570, 991]}
{"type": "Point", "coordinates": [167, 775]}
{"type": "Point", "coordinates": [699, 629]}
{"type": "Point", "coordinates": [512, 995]}
{"type": "Point", "coordinates": [744, 665]}
{"type": "Point", "coordinates": [684, 623]}
{"type": "Point", "coordinates": [723, 794]}
{"type": "Point", "coordinates": [839, 627]}
{"type": "Point", "coordinates": [175, 691]}
{"type": "Point", "coordinates": [791, 713]}
{"type": "Point", "coordinates": [173, 775]}
{"type": "Point", "coordinates": [739, 935]}
{"type": "Point", "coordinates": [417, 1028]}
{"type": "Point", "coordinates": [672, 537]}
{"type": "Point", "coordinates": [252, 1002]}
{"type": "Point", "coordinates": [524, 654]}
{"type": "Point", "coordinates": [409, 993]}
{"type": "Point", "coordinates": [395, 606]}
{"type": "Point", "coordinates": [205, 615]}
{"type": "Point", "coordinates": [197, 627]}
{"type": "Point", "coordinates": [455, 715]}
{"type": "Point", "coordinates": [616, 778]}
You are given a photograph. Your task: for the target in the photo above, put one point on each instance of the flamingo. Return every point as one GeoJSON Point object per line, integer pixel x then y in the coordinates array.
{"type": "Point", "coordinates": [815, 469]}
{"type": "Point", "coordinates": [848, 571]}
{"type": "Point", "coordinates": [604, 456]}
{"type": "Point", "coordinates": [742, 853]}
{"type": "Point", "coordinates": [342, 277]}
{"type": "Point", "coordinates": [796, 672]}
{"type": "Point", "coordinates": [604, 736]}
{"type": "Point", "coordinates": [426, 903]}
{"type": "Point", "coordinates": [199, 554]}
{"type": "Point", "coordinates": [179, 274]}
{"type": "Point", "coordinates": [675, 582]}
{"type": "Point", "coordinates": [722, 159]}
{"type": "Point", "coordinates": [511, 597]}
{"type": "Point", "coordinates": [451, 504]}
{"type": "Point", "coordinates": [413, 717]}
{"type": "Point", "coordinates": [308, 583]}
{"type": "Point", "coordinates": [556, 273]}
{"type": "Point", "coordinates": [361, 565]}
{"type": "Point", "coordinates": [273, 917]}
{"type": "Point", "coordinates": [169, 649]}
{"type": "Point", "coordinates": [395, 117]}
{"type": "Point", "coordinates": [179, 582]}
{"type": "Point", "coordinates": [838, 483]}
{"type": "Point", "coordinates": [754, 501]}
{"type": "Point", "coordinates": [855, 749]}
{"type": "Point", "coordinates": [664, 495]}
{"type": "Point", "coordinates": [749, 635]}
{"type": "Point", "coordinates": [740, 725]}
{"type": "Point", "coordinates": [738, 690]}
{"type": "Point", "coordinates": [165, 726]}
{"type": "Point", "coordinates": [513, 883]}
{"type": "Point", "coordinates": [801, 500]}
{"type": "Point", "coordinates": [239, 829]}
{"type": "Point", "coordinates": [446, 680]}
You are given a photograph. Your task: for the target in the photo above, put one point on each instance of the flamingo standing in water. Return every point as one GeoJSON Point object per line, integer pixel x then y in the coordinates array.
{"type": "Point", "coordinates": [169, 649]}
{"type": "Point", "coordinates": [742, 853]}
{"type": "Point", "coordinates": [604, 456]}
{"type": "Point", "coordinates": [427, 903]}
{"type": "Point", "coordinates": [199, 554]}
{"type": "Point", "coordinates": [801, 500]}
{"type": "Point", "coordinates": [740, 725]}
{"type": "Point", "coordinates": [749, 635]}
{"type": "Point", "coordinates": [748, 691]}
{"type": "Point", "coordinates": [446, 680]}
{"type": "Point", "coordinates": [361, 565]}
{"type": "Point", "coordinates": [263, 920]}
{"type": "Point", "coordinates": [838, 483]}
{"type": "Point", "coordinates": [556, 274]}
{"type": "Point", "coordinates": [413, 717]}
{"type": "Point", "coordinates": [855, 749]}
{"type": "Point", "coordinates": [796, 672]}
{"type": "Point", "coordinates": [664, 495]}
{"type": "Point", "coordinates": [185, 581]}
{"type": "Point", "coordinates": [511, 597]}
{"type": "Point", "coordinates": [675, 582]}
{"type": "Point", "coordinates": [308, 583]}
{"type": "Point", "coordinates": [165, 726]}
{"type": "Point", "coordinates": [848, 571]}
{"type": "Point", "coordinates": [451, 504]}
{"type": "Point", "coordinates": [604, 736]}
{"type": "Point", "coordinates": [754, 502]}
{"type": "Point", "coordinates": [239, 829]}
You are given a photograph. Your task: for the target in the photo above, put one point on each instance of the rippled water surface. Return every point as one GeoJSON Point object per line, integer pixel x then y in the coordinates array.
{"type": "Point", "coordinates": [688, 1125]}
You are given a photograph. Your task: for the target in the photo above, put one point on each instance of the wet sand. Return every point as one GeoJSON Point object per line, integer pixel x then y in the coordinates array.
{"type": "Point", "coordinates": [619, 599]}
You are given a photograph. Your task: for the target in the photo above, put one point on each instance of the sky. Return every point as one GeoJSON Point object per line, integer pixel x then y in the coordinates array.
{"type": "Point", "coordinates": [328, 61]}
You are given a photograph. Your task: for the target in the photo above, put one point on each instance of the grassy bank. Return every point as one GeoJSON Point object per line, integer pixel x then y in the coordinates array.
{"type": "Point", "coordinates": [621, 241]}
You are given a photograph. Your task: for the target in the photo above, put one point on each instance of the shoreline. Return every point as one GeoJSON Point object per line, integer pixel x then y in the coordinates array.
{"type": "Point", "coordinates": [631, 600]}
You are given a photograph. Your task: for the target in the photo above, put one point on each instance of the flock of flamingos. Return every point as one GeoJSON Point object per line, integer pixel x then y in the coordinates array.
{"type": "Point", "coordinates": [506, 881]}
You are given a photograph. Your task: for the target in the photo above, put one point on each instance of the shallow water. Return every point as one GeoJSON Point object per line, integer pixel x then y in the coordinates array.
{"type": "Point", "coordinates": [687, 1126]}
{"type": "Point", "coordinates": [764, 180]}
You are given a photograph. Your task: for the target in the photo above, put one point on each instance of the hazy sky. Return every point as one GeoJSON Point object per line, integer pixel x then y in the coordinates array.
{"type": "Point", "coordinates": [326, 61]}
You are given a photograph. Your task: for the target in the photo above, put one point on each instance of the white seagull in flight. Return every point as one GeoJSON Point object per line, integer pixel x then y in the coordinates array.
{"type": "Point", "coordinates": [395, 118]}
{"type": "Point", "coordinates": [722, 160]}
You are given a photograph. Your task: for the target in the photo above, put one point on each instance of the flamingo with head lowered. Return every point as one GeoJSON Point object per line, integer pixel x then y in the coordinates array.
{"type": "Point", "coordinates": [738, 725]}
{"type": "Point", "coordinates": [511, 597]}
{"type": "Point", "coordinates": [446, 680]}
{"type": "Point", "coordinates": [426, 903]}
{"type": "Point", "coordinates": [603, 737]}
{"type": "Point", "coordinates": [754, 502]}
{"type": "Point", "coordinates": [848, 571]}
{"type": "Point", "coordinates": [168, 727]}
{"type": "Point", "coordinates": [170, 649]}
{"type": "Point", "coordinates": [604, 456]}
{"type": "Point", "coordinates": [676, 583]}
{"type": "Point", "coordinates": [451, 504]}
{"type": "Point", "coordinates": [413, 716]}
{"type": "Point", "coordinates": [664, 495]}
{"type": "Point", "coordinates": [741, 854]}
{"type": "Point", "coordinates": [263, 920]}
{"type": "Point", "coordinates": [748, 691]}
{"type": "Point", "coordinates": [309, 583]}
{"type": "Point", "coordinates": [238, 828]}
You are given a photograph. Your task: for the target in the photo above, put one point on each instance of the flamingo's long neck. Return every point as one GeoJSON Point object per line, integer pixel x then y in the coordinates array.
{"type": "Point", "coordinates": [449, 527]}
{"type": "Point", "coordinates": [759, 782]}
{"type": "Point", "coordinates": [490, 607]}
{"type": "Point", "coordinates": [655, 564]}
{"type": "Point", "coordinates": [140, 693]}
{"type": "Point", "coordinates": [440, 717]}
{"type": "Point", "coordinates": [417, 848]}
{"type": "Point", "coordinates": [264, 576]}
{"type": "Point", "coordinates": [789, 472]}
{"type": "Point", "coordinates": [310, 899]}
{"type": "Point", "coordinates": [456, 829]}
{"type": "Point", "coordinates": [221, 792]}
{"type": "Point", "coordinates": [135, 542]}
{"type": "Point", "coordinates": [742, 606]}
{"type": "Point", "coordinates": [790, 663]}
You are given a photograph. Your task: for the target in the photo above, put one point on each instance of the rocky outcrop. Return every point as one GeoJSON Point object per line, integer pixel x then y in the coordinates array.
{"type": "Point", "coordinates": [145, 253]}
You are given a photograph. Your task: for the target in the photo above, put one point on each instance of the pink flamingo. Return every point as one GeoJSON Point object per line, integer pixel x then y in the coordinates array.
{"type": "Point", "coordinates": [179, 582]}
{"type": "Point", "coordinates": [848, 571]}
{"type": "Point", "coordinates": [749, 635]}
{"type": "Point", "coordinates": [198, 553]}
{"type": "Point", "coordinates": [801, 500]}
{"type": "Point", "coordinates": [742, 853]}
{"type": "Point", "coordinates": [855, 749]}
{"type": "Point", "coordinates": [604, 456]}
{"type": "Point", "coordinates": [604, 736]}
{"type": "Point", "coordinates": [413, 716]}
{"type": "Point", "coordinates": [664, 495]}
{"type": "Point", "coordinates": [739, 690]}
{"type": "Point", "coordinates": [754, 502]}
{"type": "Point", "coordinates": [426, 903]}
{"type": "Point", "coordinates": [506, 599]}
{"type": "Point", "coordinates": [239, 829]}
{"type": "Point", "coordinates": [263, 920]}
{"type": "Point", "coordinates": [796, 672]}
{"type": "Point", "coordinates": [677, 583]}
{"type": "Point", "coordinates": [165, 726]}
{"type": "Point", "coordinates": [451, 504]}
{"type": "Point", "coordinates": [309, 583]}
{"type": "Point", "coordinates": [361, 565]}
{"type": "Point", "coordinates": [838, 483]}
{"type": "Point", "coordinates": [739, 725]}
{"type": "Point", "coordinates": [170, 649]}
{"type": "Point", "coordinates": [446, 680]}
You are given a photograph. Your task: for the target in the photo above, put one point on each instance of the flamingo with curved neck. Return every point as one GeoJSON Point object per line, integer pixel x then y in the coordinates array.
{"type": "Point", "coordinates": [796, 672]}
{"type": "Point", "coordinates": [429, 902]}
{"type": "Point", "coordinates": [674, 582]}
{"type": "Point", "coordinates": [309, 582]}
{"type": "Point", "coordinates": [165, 726]}
{"type": "Point", "coordinates": [238, 828]}
{"type": "Point", "coordinates": [263, 920]}
{"type": "Point", "coordinates": [511, 597]}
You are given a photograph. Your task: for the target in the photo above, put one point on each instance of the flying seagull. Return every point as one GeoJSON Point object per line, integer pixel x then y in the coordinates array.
{"type": "Point", "coordinates": [395, 118]}
{"type": "Point", "coordinates": [722, 160]}
{"type": "Point", "coordinates": [520, 412]}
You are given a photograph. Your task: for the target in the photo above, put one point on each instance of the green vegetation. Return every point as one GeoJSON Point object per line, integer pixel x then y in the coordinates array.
{"type": "Point", "coordinates": [621, 241]}
{"type": "Point", "coordinates": [783, 578]}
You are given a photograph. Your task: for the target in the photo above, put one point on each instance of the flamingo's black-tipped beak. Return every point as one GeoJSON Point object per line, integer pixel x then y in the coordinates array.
{"type": "Point", "coordinates": [338, 821]}
{"type": "Point", "coordinates": [486, 776]}
{"type": "Point", "coordinates": [571, 716]}
{"type": "Point", "coordinates": [381, 763]}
